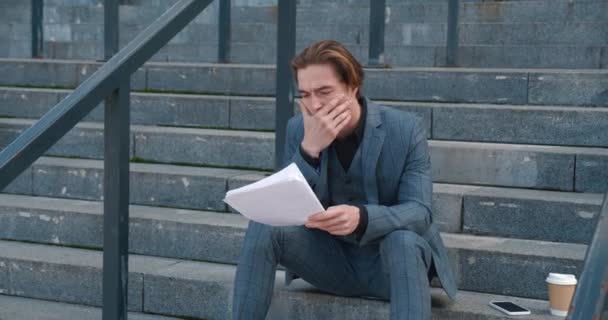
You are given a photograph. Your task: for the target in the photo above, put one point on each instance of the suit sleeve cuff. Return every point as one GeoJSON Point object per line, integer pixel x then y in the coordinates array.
{"type": "Point", "coordinates": [363, 220]}
{"type": "Point", "coordinates": [313, 162]}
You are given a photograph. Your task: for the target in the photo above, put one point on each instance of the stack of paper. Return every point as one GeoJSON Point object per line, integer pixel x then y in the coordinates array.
{"type": "Point", "coordinates": [282, 199]}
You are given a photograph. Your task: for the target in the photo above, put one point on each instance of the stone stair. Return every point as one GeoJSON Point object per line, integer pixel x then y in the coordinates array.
{"type": "Point", "coordinates": [519, 152]}
{"type": "Point", "coordinates": [493, 34]}
{"type": "Point", "coordinates": [515, 163]}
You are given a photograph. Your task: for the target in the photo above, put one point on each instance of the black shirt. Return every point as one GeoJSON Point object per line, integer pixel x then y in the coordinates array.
{"type": "Point", "coordinates": [345, 150]}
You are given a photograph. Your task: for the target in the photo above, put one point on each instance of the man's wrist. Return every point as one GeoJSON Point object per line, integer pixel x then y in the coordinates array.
{"type": "Point", "coordinates": [310, 151]}
{"type": "Point", "coordinates": [313, 162]}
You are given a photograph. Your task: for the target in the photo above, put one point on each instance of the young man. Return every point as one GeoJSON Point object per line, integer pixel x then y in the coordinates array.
{"type": "Point", "coordinates": [369, 166]}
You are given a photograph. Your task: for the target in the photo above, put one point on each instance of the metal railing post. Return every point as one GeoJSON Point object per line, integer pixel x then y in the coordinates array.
{"type": "Point", "coordinates": [377, 16]}
{"type": "Point", "coordinates": [591, 297]}
{"type": "Point", "coordinates": [225, 31]}
{"type": "Point", "coordinates": [37, 29]}
{"type": "Point", "coordinates": [286, 48]}
{"type": "Point", "coordinates": [116, 204]}
{"type": "Point", "coordinates": [116, 182]}
{"type": "Point", "coordinates": [452, 34]}
{"type": "Point", "coordinates": [110, 28]}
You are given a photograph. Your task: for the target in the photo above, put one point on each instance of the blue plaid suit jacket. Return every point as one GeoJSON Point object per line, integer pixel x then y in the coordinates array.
{"type": "Point", "coordinates": [397, 176]}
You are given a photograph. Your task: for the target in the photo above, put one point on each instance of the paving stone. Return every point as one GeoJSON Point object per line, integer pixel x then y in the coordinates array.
{"type": "Point", "coordinates": [448, 205]}
{"type": "Point", "coordinates": [211, 147]}
{"type": "Point", "coordinates": [592, 172]}
{"type": "Point", "coordinates": [480, 260]}
{"type": "Point", "coordinates": [514, 124]}
{"type": "Point", "coordinates": [527, 214]}
{"type": "Point", "coordinates": [22, 184]}
{"type": "Point", "coordinates": [569, 88]}
{"type": "Point", "coordinates": [539, 167]}
{"type": "Point", "coordinates": [64, 277]}
{"type": "Point", "coordinates": [459, 86]}
{"type": "Point", "coordinates": [16, 308]}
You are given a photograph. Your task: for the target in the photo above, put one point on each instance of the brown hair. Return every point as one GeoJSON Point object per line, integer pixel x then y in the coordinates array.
{"type": "Point", "coordinates": [349, 70]}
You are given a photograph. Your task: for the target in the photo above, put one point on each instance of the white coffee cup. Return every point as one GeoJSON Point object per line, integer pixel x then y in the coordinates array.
{"type": "Point", "coordinates": [561, 291]}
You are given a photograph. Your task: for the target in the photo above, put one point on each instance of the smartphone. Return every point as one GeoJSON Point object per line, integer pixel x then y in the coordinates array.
{"type": "Point", "coordinates": [509, 308]}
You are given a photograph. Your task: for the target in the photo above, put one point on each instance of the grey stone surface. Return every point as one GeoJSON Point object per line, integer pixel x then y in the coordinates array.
{"type": "Point", "coordinates": [522, 124]}
{"type": "Point", "coordinates": [166, 280]}
{"type": "Point", "coordinates": [252, 113]}
{"type": "Point", "coordinates": [538, 167]}
{"type": "Point", "coordinates": [179, 289]}
{"type": "Point", "coordinates": [16, 308]}
{"type": "Point", "coordinates": [487, 264]}
{"type": "Point", "coordinates": [174, 233]}
{"type": "Point", "coordinates": [555, 33]}
{"type": "Point", "coordinates": [44, 73]}
{"type": "Point", "coordinates": [471, 255]}
{"type": "Point", "coordinates": [45, 220]}
{"type": "Point", "coordinates": [187, 234]}
{"type": "Point", "coordinates": [569, 88]}
{"type": "Point", "coordinates": [85, 140]}
{"type": "Point", "coordinates": [180, 110]}
{"type": "Point", "coordinates": [592, 172]}
{"type": "Point", "coordinates": [210, 147]}
{"type": "Point", "coordinates": [514, 56]}
{"type": "Point", "coordinates": [5, 282]}
{"type": "Point", "coordinates": [448, 205]}
{"type": "Point", "coordinates": [447, 85]}
{"type": "Point", "coordinates": [22, 184]}
{"type": "Point", "coordinates": [85, 70]}
{"type": "Point", "coordinates": [177, 186]}
{"type": "Point", "coordinates": [77, 285]}
{"type": "Point", "coordinates": [604, 58]}
{"type": "Point", "coordinates": [414, 84]}
{"type": "Point", "coordinates": [151, 184]}
{"type": "Point", "coordinates": [420, 110]}
{"type": "Point", "coordinates": [62, 178]}
{"type": "Point", "coordinates": [31, 102]}
{"type": "Point", "coordinates": [68, 275]}
{"type": "Point", "coordinates": [208, 78]}
{"type": "Point", "coordinates": [527, 214]}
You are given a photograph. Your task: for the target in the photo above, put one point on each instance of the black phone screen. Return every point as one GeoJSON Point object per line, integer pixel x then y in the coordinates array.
{"type": "Point", "coordinates": [509, 306]}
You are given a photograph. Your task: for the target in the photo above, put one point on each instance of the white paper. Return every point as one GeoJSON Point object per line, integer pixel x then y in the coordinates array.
{"type": "Point", "coordinates": [282, 199]}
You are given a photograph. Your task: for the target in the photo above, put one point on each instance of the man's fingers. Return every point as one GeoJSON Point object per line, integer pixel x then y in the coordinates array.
{"type": "Point", "coordinates": [335, 223]}
{"type": "Point", "coordinates": [332, 104]}
{"type": "Point", "coordinates": [323, 216]}
{"type": "Point", "coordinates": [342, 121]}
{"type": "Point", "coordinates": [340, 109]}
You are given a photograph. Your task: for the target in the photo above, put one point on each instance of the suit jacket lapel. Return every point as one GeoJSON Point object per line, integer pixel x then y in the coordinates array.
{"type": "Point", "coordinates": [371, 146]}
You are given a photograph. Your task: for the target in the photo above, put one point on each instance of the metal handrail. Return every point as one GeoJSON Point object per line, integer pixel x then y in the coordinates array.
{"type": "Point", "coordinates": [111, 80]}
{"type": "Point", "coordinates": [591, 297]}
{"type": "Point", "coordinates": [224, 30]}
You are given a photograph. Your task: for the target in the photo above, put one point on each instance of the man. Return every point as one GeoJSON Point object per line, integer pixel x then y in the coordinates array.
{"type": "Point", "coordinates": [369, 166]}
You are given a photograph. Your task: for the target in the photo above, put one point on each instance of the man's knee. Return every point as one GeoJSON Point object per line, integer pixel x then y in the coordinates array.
{"type": "Point", "coordinates": [266, 236]}
{"type": "Point", "coordinates": [400, 239]}
{"type": "Point", "coordinates": [400, 242]}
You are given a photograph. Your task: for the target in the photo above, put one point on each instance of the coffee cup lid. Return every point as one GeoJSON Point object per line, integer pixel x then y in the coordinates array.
{"type": "Point", "coordinates": [563, 279]}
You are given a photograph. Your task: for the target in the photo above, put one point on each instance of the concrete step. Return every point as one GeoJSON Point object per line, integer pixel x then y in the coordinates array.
{"type": "Point", "coordinates": [217, 237]}
{"type": "Point", "coordinates": [547, 125]}
{"type": "Point", "coordinates": [503, 86]}
{"type": "Point", "coordinates": [186, 186]}
{"type": "Point", "coordinates": [503, 212]}
{"type": "Point", "coordinates": [194, 289]}
{"type": "Point", "coordinates": [505, 165]}
{"type": "Point", "coordinates": [415, 32]}
{"type": "Point", "coordinates": [17, 308]}
{"type": "Point", "coordinates": [515, 217]}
